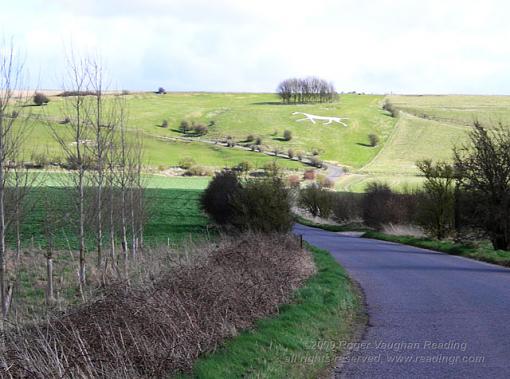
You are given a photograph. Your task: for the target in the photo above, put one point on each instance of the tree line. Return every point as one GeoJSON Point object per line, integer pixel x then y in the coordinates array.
{"type": "Point", "coordinates": [306, 90]}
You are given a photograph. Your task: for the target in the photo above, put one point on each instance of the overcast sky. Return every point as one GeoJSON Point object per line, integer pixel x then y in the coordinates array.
{"type": "Point", "coordinates": [402, 46]}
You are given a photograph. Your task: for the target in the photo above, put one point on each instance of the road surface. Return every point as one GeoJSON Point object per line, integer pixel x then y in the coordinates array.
{"type": "Point", "coordinates": [430, 315]}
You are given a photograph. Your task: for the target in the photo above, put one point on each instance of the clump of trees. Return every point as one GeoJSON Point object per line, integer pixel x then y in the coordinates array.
{"type": "Point", "coordinates": [306, 90]}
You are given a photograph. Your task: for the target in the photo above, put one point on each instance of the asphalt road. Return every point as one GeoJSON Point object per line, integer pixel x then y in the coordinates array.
{"type": "Point", "coordinates": [430, 315]}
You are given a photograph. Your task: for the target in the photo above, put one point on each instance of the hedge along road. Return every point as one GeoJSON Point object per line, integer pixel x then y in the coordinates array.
{"type": "Point", "coordinates": [430, 315]}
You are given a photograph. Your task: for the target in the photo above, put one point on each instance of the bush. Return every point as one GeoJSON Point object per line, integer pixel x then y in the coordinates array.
{"type": "Point", "coordinates": [197, 170]}
{"type": "Point", "coordinates": [300, 155]}
{"type": "Point", "coordinates": [287, 135]}
{"type": "Point", "coordinates": [309, 174]}
{"type": "Point", "coordinates": [290, 153]}
{"type": "Point", "coordinates": [390, 108]}
{"type": "Point", "coordinates": [315, 152]}
{"type": "Point", "coordinates": [437, 205]}
{"type": "Point", "coordinates": [211, 124]}
{"type": "Point", "coordinates": [244, 166]}
{"type": "Point", "coordinates": [263, 205]}
{"type": "Point", "coordinates": [164, 124]}
{"type": "Point", "coordinates": [125, 92]}
{"type": "Point", "coordinates": [184, 126]}
{"type": "Point", "coordinates": [217, 198]}
{"type": "Point", "coordinates": [158, 329]}
{"type": "Point", "coordinates": [325, 182]}
{"type": "Point", "coordinates": [258, 141]}
{"type": "Point", "coordinates": [66, 120]}
{"type": "Point", "coordinates": [40, 99]}
{"type": "Point", "coordinates": [161, 91]}
{"type": "Point", "coordinates": [186, 163]}
{"type": "Point", "coordinates": [200, 129]}
{"type": "Point", "coordinates": [315, 161]}
{"type": "Point", "coordinates": [373, 140]}
{"type": "Point", "coordinates": [316, 200]}
{"type": "Point", "coordinates": [294, 181]}
{"type": "Point", "coordinates": [382, 206]}
{"type": "Point", "coordinates": [347, 207]}
{"type": "Point", "coordinates": [250, 138]}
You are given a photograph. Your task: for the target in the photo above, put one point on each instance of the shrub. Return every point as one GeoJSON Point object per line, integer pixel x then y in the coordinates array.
{"type": "Point", "coordinates": [125, 92]}
{"type": "Point", "coordinates": [315, 152]}
{"type": "Point", "coordinates": [325, 182]}
{"type": "Point", "coordinates": [164, 124]}
{"type": "Point", "coordinates": [211, 124]}
{"type": "Point", "coordinates": [287, 135]}
{"type": "Point", "coordinates": [66, 120]}
{"type": "Point", "coordinates": [383, 206]}
{"type": "Point", "coordinates": [250, 138]}
{"type": "Point", "coordinates": [158, 329]}
{"type": "Point", "coordinates": [217, 198]}
{"type": "Point", "coordinates": [290, 153]}
{"type": "Point", "coordinates": [200, 129]}
{"type": "Point", "coordinates": [184, 126]}
{"type": "Point", "coordinates": [186, 163]}
{"type": "Point", "coordinates": [294, 181]}
{"type": "Point", "coordinates": [76, 93]}
{"type": "Point", "coordinates": [316, 200]}
{"type": "Point", "coordinates": [309, 174]}
{"type": "Point", "coordinates": [258, 141]}
{"type": "Point", "coordinates": [161, 91]}
{"type": "Point", "coordinates": [390, 108]}
{"type": "Point", "coordinates": [300, 155]}
{"type": "Point", "coordinates": [40, 99]}
{"type": "Point", "coordinates": [243, 166]}
{"type": "Point", "coordinates": [437, 205]}
{"type": "Point", "coordinates": [373, 140]}
{"type": "Point", "coordinates": [315, 161]}
{"type": "Point", "coordinates": [197, 170]}
{"type": "Point", "coordinates": [347, 207]}
{"type": "Point", "coordinates": [263, 205]}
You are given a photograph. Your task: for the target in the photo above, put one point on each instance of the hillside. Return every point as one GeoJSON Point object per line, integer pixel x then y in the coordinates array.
{"type": "Point", "coordinates": [239, 115]}
{"type": "Point", "coordinates": [428, 127]}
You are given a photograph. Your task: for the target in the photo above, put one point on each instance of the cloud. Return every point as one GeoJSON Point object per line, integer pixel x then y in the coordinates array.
{"type": "Point", "coordinates": [230, 45]}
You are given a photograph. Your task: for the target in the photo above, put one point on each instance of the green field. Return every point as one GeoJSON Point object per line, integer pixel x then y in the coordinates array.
{"type": "Point", "coordinates": [427, 127]}
{"type": "Point", "coordinates": [239, 115]}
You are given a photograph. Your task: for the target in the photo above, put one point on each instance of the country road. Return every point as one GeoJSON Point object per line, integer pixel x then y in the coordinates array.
{"type": "Point", "coordinates": [430, 315]}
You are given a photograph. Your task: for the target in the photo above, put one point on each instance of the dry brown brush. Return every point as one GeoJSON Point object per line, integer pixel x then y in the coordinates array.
{"type": "Point", "coordinates": [161, 327]}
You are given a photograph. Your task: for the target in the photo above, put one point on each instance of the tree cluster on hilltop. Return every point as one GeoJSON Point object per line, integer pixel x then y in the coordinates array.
{"type": "Point", "coordinates": [307, 90]}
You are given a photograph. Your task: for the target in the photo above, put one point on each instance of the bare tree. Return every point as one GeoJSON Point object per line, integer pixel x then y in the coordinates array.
{"type": "Point", "coordinates": [483, 169]}
{"type": "Point", "coordinates": [73, 138]}
{"type": "Point", "coordinates": [12, 133]}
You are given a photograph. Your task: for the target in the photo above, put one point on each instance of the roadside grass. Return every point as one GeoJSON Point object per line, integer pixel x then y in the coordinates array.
{"type": "Point", "coordinates": [302, 340]}
{"type": "Point", "coordinates": [481, 253]}
{"type": "Point", "coordinates": [332, 227]}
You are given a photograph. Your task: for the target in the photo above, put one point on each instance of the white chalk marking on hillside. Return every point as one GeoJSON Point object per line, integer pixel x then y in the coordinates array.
{"type": "Point", "coordinates": [312, 118]}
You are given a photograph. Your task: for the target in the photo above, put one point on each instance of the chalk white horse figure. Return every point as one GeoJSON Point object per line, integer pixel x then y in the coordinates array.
{"type": "Point", "coordinates": [329, 120]}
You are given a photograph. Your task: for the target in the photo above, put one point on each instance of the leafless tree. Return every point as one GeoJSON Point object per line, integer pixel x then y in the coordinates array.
{"type": "Point", "coordinates": [73, 138]}
{"type": "Point", "coordinates": [306, 90]}
{"type": "Point", "coordinates": [12, 133]}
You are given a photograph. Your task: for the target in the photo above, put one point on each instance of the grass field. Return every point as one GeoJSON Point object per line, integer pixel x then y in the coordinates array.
{"type": "Point", "coordinates": [428, 127]}
{"type": "Point", "coordinates": [238, 115]}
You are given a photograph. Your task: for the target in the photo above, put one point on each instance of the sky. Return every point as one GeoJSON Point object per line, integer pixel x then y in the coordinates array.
{"type": "Point", "coordinates": [377, 46]}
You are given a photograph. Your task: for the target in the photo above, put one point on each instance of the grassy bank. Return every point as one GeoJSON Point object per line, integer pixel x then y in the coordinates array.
{"type": "Point", "coordinates": [481, 253]}
{"type": "Point", "coordinates": [331, 227]}
{"type": "Point", "coordinates": [302, 341]}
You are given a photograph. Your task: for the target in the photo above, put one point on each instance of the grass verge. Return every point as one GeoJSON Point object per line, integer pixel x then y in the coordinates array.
{"type": "Point", "coordinates": [302, 340]}
{"type": "Point", "coordinates": [481, 253]}
{"type": "Point", "coordinates": [331, 227]}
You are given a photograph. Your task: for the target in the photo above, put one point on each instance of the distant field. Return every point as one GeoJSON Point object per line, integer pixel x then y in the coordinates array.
{"type": "Point", "coordinates": [239, 115]}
